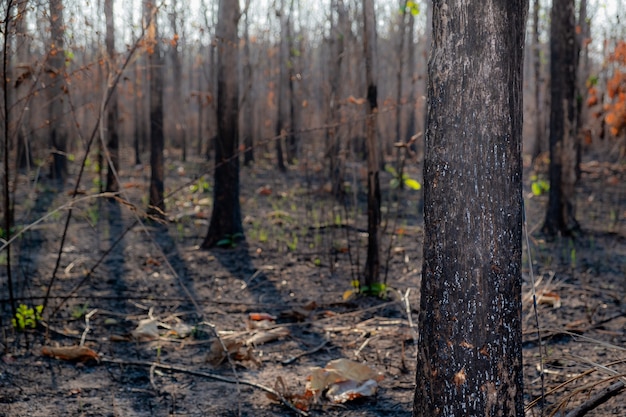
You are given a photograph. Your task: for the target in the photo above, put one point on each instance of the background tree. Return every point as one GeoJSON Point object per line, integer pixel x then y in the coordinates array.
{"type": "Point", "coordinates": [372, 263]}
{"type": "Point", "coordinates": [538, 109]}
{"type": "Point", "coordinates": [338, 25]}
{"type": "Point", "coordinates": [226, 223]}
{"type": "Point", "coordinates": [563, 62]}
{"type": "Point", "coordinates": [56, 91]}
{"type": "Point", "coordinates": [247, 99]}
{"type": "Point", "coordinates": [112, 111]}
{"type": "Point", "coordinates": [470, 344]}
{"type": "Point", "coordinates": [283, 120]}
{"type": "Point", "coordinates": [155, 63]}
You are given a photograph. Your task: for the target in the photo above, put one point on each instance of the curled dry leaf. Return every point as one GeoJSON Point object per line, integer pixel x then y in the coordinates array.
{"type": "Point", "coordinates": [344, 380]}
{"type": "Point", "coordinates": [146, 330]}
{"type": "Point", "coordinates": [266, 336]}
{"type": "Point", "coordinates": [550, 298]}
{"type": "Point", "coordinates": [235, 349]}
{"type": "Point", "coordinates": [70, 353]}
{"type": "Point", "coordinates": [261, 317]}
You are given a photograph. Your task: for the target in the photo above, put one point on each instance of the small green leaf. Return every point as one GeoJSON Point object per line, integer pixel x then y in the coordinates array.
{"type": "Point", "coordinates": [391, 170]}
{"type": "Point", "coordinates": [536, 188]}
{"type": "Point", "coordinates": [412, 184]}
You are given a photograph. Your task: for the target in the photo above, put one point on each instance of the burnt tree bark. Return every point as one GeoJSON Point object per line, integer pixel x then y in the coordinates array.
{"type": "Point", "coordinates": [470, 345]}
{"type": "Point", "coordinates": [560, 217]}
{"type": "Point", "coordinates": [372, 263]}
{"type": "Point", "coordinates": [283, 120]}
{"type": "Point", "coordinates": [537, 111]}
{"type": "Point", "coordinates": [155, 62]}
{"type": "Point", "coordinates": [338, 24]}
{"type": "Point", "coordinates": [56, 91]}
{"type": "Point", "coordinates": [247, 101]}
{"type": "Point", "coordinates": [226, 226]}
{"type": "Point", "coordinates": [112, 111]}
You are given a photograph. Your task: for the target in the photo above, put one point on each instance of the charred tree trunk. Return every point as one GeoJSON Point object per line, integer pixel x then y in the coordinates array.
{"type": "Point", "coordinates": [372, 264]}
{"type": "Point", "coordinates": [137, 113]}
{"type": "Point", "coordinates": [410, 128]}
{"type": "Point", "coordinates": [333, 138]}
{"type": "Point", "coordinates": [283, 125]}
{"type": "Point", "coordinates": [399, 72]}
{"type": "Point", "coordinates": [247, 102]}
{"type": "Point", "coordinates": [582, 42]}
{"type": "Point", "coordinates": [563, 53]}
{"type": "Point", "coordinates": [155, 62]}
{"type": "Point", "coordinates": [292, 138]}
{"type": "Point", "coordinates": [470, 345]}
{"type": "Point", "coordinates": [226, 227]}
{"type": "Point", "coordinates": [23, 81]}
{"type": "Point", "coordinates": [538, 119]}
{"type": "Point", "coordinates": [178, 109]}
{"type": "Point", "coordinates": [112, 112]}
{"type": "Point", "coordinates": [56, 92]}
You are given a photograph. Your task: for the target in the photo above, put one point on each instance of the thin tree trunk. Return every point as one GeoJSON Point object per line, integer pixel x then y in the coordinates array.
{"type": "Point", "coordinates": [399, 72]}
{"type": "Point", "coordinates": [178, 110]}
{"type": "Point", "coordinates": [248, 101]}
{"type": "Point", "coordinates": [336, 54]}
{"type": "Point", "coordinates": [112, 118]}
{"type": "Point", "coordinates": [563, 52]}
{"type": "Point", "coordinates": [283, 126]}
{"type": "Point", "coordinates": [21, 115]}
{"type": "Point", "coordinates": [470, 344]}
{"type": "Point", "coordinates": [538, 113]}
{"type": "Point", "coordinates": [372, 265]}
{"type": "Point", "coordinates": [292, 138]}
{"type": "Point", "coordinates": [56, 91]}
{"type": "Point", "coordinates": [226, 227]}
{"type": "Point", "coordinates": [582, 74]}
{"type": "Point", "coordinates": [155, 62]}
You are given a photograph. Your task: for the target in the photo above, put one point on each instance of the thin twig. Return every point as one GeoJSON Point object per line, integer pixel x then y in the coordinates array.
{"type": "Point", "coordinates": [308, 352]}
{"type": "Point", "coordinates": [598, 399]}
{"type": "Point", "coordinates": [209, 375]}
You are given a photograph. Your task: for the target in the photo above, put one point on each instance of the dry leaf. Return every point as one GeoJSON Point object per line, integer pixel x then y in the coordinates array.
{"type": "Point", "coordinates": [344, 380]}
{"type": "Point", "coordinates": [266, 336]}
{"type": "Point", "coordinates": [350, 390]}
{"type": "Point", "coordinates": [550, 298]}
{"type": "Point", "coordinates": [261, 317]}
{"type": "Point", "coordinates": [146, 330]}
{"type": "Point", "coordinates": [70, 353]}
{"type": "Point", "coordinates": [264, 190]}
{"type": "Point", "coordinates": [217, 355]}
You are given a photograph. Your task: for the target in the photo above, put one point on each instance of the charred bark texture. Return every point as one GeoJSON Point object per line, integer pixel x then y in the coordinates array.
{"type": "Point", "coordinates": [155, 62]}
{"type": "Point", "coordinates": [226, 225]}
{"type": "Point", "coordinates": [470, 345]}
{"type": "Point", "coordinates": [56, 91]}
{"type": "Point", "coordinates": [112, 117]}
{"type": "Point", "coordinates": [560, 217]}
{"type": "Point", "coordinates": [372, 264]}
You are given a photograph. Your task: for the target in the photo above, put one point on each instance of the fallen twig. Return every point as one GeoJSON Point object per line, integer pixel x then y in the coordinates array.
{"type": "Point", "coordinates": [308, 352]}
{"type": "Point", "coordinates": [174, 368]}
{"type": "Point", "coordinates": [600, 398]}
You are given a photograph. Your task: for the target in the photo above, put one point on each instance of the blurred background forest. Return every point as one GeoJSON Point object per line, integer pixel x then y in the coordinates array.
{"type": "Point", "coordinates": [311, 54]}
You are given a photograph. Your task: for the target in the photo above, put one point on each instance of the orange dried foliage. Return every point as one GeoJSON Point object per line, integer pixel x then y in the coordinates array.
{"type": "Point", "coordinates": [615, 116]}
{"type": "Point", "coordinates": [592, 101]}
{"type": "Point", "coordinates": [70, 353]}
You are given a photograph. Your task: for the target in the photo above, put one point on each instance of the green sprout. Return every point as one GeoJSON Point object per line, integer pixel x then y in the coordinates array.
{"type": "Point", "coordinates": [26, 317]}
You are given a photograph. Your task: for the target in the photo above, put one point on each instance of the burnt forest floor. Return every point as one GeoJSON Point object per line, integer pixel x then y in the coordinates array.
{"type": "Point", "coordinates": [150, 304]}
